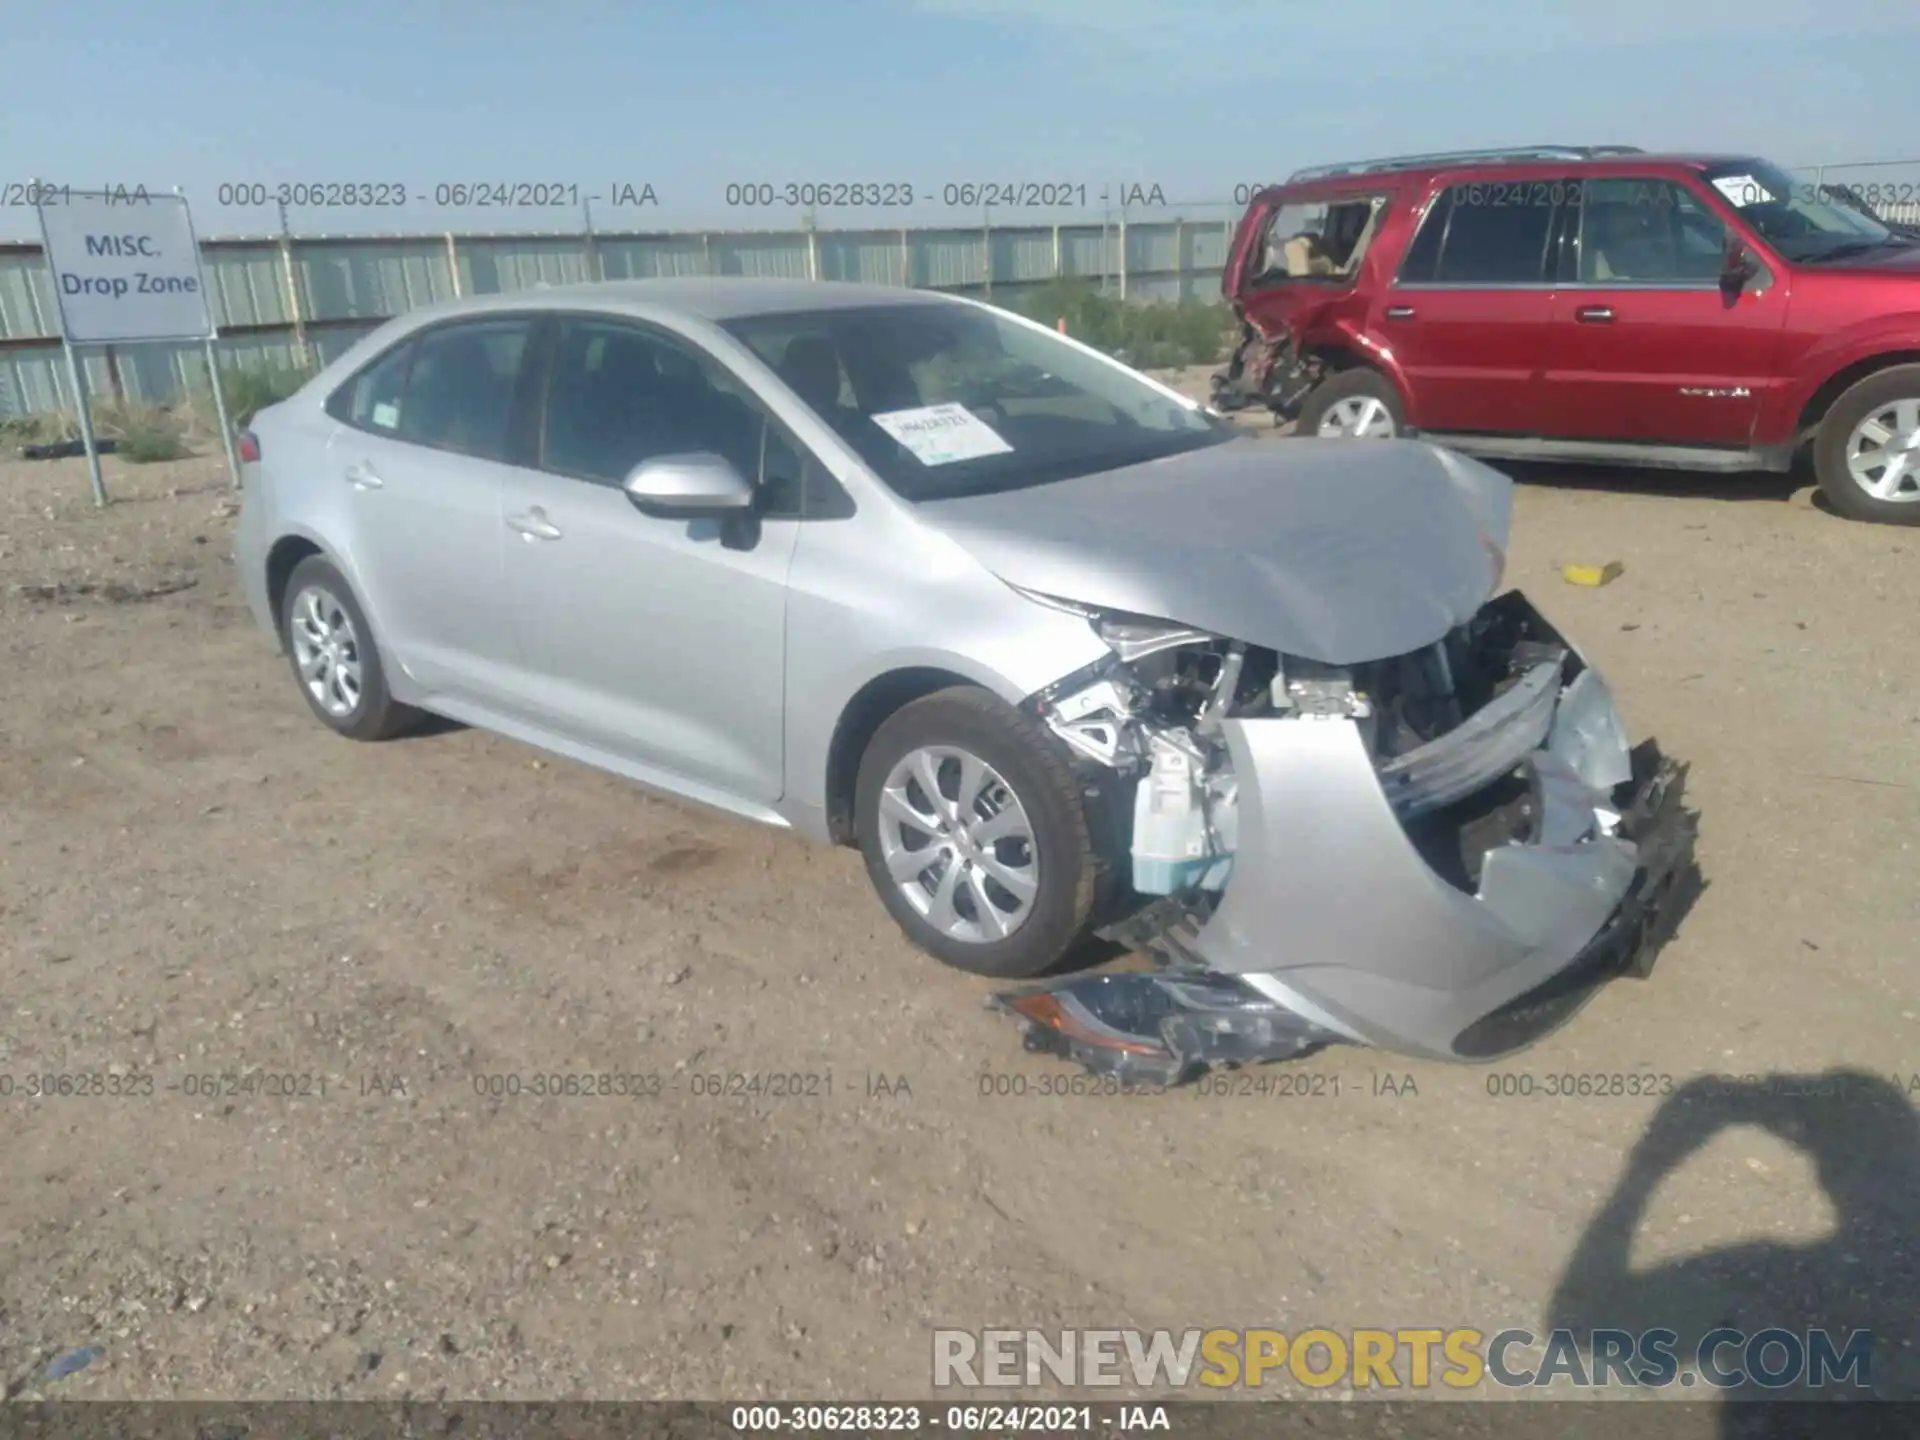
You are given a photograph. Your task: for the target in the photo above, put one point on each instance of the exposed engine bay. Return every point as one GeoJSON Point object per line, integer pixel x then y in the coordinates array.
{"type": "Point", "coordinates": [1499, 775]}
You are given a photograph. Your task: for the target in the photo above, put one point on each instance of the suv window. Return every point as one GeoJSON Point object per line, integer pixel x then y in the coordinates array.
{"type": "Point", "coordinates": [460, 390]}
{"type": "Point", "coordinates": [371, 399]}
{"type": "Point", "coordinates": [620, 395]}
{"type": "Point", "coordinates": [1644, 231]}
{"type": "Point", "coordinates": [1318, 239]}
{"type": "Point", "coordinates": [1483, 233]}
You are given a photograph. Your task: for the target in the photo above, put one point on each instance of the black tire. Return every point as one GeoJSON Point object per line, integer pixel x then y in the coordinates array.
{"type": "Point", "coordinates": [1356, 384]}
{"type": "Point", "coordinates": [375, 714]}
{"type": "Point", "coordinates": [1843, 492]}
{"type": "Point", "coordinates": [1034, 767]}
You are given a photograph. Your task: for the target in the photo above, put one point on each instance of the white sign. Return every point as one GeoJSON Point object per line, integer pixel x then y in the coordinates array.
{"type": "Point", "coordinates": [125, 267]}
{"type": "Point", "coordinates": [942, 434]}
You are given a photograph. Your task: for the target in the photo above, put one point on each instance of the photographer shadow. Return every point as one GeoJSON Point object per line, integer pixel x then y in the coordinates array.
{"type": "Point", "coordinates": [1863, 1138]}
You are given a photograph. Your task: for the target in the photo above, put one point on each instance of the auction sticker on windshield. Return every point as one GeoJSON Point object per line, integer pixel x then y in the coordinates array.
{"type": "Point", "coordinates": [943, 434]}
{"type": "Point", "coordinates": [1742, 190]}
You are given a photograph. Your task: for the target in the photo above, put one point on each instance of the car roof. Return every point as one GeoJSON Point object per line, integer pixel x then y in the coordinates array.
{"type": "Point", "coordinates": [712, 298]}
{"type": "Point", "coordinates": [1387, 176]}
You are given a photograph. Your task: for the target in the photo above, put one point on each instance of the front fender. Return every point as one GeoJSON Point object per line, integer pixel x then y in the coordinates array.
{"type": "Point", "coordinates": [1831, 355]}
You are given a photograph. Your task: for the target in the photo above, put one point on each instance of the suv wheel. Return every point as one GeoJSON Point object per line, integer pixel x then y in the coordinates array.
{"type": "Point", "coordinates": [1867, 454]}
{"type": "Point", "coordinates": [1353, 405]}
{"type": "Point", "coordinates": [974, 834]}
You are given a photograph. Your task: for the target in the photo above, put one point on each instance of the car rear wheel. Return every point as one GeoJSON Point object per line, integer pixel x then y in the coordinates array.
{"type": "Point", "coordinates": [330, 646]}
{"type": "Point", "coordinates": [974, 834]}
{"type": "Point", "coordinates": [1353, 405]}
{"type": "Point", "coordinates": [1867, 454]}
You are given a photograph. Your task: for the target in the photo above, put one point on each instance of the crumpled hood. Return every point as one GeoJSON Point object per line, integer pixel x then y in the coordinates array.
{"type": "Point", "coordinates": [1333, 550]}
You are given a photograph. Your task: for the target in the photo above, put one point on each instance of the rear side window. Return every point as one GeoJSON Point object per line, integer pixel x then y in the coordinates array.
{"type": "Point", "coordinates": [1318, 239]}
{"type": "Point", "coordinates": [460, 388]}
{"type": "Point", "coordinates": [1484, 234]}
{"type": "Point", "coordinates": [371, 400]}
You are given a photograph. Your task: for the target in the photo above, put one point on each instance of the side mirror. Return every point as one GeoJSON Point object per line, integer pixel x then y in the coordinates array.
{"type": "Point", "coordinates": [1739, 266]}
{"type": "Point", "coordinates": [700, 486]}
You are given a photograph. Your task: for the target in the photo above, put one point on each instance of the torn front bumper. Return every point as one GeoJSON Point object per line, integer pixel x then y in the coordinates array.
{"type": "Point", "coordinates": [1343, 921]}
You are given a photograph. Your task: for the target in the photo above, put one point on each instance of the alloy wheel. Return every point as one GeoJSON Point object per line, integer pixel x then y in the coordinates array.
{"type": "Point", "coordinates": [326, 649]}
{"type": "Point", "coordinates": [1358, 417]}
{"type": "Point", "coordinates": [959, 844]}
{"type": "Point", "coordinates": [1883, 452]}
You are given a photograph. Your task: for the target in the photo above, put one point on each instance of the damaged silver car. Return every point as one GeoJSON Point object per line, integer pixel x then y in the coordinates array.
{"type": "Point", "coordinates": [1060, 651]}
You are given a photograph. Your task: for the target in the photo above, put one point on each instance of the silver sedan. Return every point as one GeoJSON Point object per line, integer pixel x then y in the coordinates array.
{"type": "Point", "coordinates": [1053, 645]}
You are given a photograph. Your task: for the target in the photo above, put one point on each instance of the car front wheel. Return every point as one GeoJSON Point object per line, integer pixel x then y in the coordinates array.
{"type": "Point", "coordinates": [975, 835]}
{"type": "Point", "coordinates": [1867, 453]}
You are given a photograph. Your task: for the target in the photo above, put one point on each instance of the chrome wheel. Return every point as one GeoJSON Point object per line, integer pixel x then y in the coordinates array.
{"type": "Point", "coordinates": [1883, 452]}
{"type": "Point", "coordinates": [1358, 417]}
{"type": "Point", "coordinates": [958, 843]}
{"type": "Point", "coordinates": [326, 650]}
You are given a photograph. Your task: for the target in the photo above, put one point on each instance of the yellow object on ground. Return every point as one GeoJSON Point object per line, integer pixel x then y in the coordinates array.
{"type": "Point", "coordinates": [1592, 574]}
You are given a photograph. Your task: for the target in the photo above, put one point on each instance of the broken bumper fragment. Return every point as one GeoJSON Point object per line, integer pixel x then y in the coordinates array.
{"type": "Point", "coordinates": [1458, 899]}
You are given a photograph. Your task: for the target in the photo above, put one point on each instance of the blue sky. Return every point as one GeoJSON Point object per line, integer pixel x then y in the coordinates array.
{"type": "Point", "coordinates": [689, 97]}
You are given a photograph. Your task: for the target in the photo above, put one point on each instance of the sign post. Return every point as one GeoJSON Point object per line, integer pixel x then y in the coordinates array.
{"type": "Point", "coordinates": [126, 270]}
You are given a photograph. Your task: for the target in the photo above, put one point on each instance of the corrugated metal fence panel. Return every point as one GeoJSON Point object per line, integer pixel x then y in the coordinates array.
{"type": "Point", "coordinates": [1152, 248]}
{"type": "Point", "coordinates": [653, 257]}
{"type": "Point", "coordinates": [26, 298]}
{"type": "Point", "coordinates": [489, 267]}
{"type": "Point", "coordinates": [343, 281]}
{"type": "Point", "coordinates": [874, 257]}
{"type": "Point", "coordinates": [1208, 243]}
{"type": "Point", "coordinates": [1088, 251]}
{"type": "Point", "coordinates": [1022, 256]}
{"type": "Point", "coordinates": [782, 256]}
{"type": "Point", "coordinates": [31, 381]}
{"type": "Point", "coordinates": [245, 285]}
{"type": "Point", "coordinates": [948, 259]}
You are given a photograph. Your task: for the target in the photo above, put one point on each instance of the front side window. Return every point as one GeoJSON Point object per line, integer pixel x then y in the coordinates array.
{"type": "Point", "coordinates": [1801, 222]}
{"type": "Point", "coordinates": [1484, 233]}
{"type": "Point", "coordinates": [942, 399]}
{"type": "Point", "coordinates": [460, 389]}
{"type": "Point", "coordinates": [1642, 231]}
{"type": "Point", "coordinates": [620, 395]}
{"type": "Point", "coordinates": [1319, 239]}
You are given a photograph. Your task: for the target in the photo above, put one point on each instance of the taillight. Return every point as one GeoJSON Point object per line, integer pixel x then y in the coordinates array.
{"type": "Point", "coordinates": [249, 448]}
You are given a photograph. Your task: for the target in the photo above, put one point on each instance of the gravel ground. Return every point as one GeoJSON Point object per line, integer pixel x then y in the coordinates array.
{"type": "Point", "coordinates": [197, 883]}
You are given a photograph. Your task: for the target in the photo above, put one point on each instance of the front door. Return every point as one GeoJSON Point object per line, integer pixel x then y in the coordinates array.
{"type": "Point", "coordinates": [1646, 345]}
{"type": "Point", "coordinates": [660, 641]}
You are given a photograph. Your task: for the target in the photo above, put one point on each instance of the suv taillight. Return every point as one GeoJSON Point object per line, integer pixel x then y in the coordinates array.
{"type": "Point", "coordinates": [249, 448]}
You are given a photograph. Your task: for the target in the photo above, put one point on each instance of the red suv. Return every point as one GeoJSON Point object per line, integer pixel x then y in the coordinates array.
{"type": "Point", "coordinates": [1589, 304]}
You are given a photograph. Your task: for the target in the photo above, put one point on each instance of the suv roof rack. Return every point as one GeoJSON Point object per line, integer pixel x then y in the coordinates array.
{"type": "Point", "coordinates": [1463, 157]}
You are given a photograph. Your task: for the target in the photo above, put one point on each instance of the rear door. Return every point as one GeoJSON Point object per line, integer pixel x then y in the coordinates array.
{"type": "Point", "coordinates": [1466, 317]}
{"type": "Point", "coordinates": [1646, 346]}
{"type": "Point", "coordinates": [423, 436]}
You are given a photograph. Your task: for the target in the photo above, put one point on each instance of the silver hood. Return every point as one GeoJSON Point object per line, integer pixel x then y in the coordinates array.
{"type": "Point", "coordinates": [1332, 550]}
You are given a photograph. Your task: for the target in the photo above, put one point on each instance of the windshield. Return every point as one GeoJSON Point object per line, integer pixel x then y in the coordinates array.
{"type": "Point", "coordinates": [1802, 223]}
{"type": "Point", "coordinates": [945, 400]}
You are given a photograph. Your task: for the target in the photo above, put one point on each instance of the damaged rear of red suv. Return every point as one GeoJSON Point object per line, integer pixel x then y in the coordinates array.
{"type": "Point", "coordinates": [1589, 304]}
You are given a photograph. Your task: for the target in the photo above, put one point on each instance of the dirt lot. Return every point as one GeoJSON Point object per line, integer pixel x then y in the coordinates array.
{"type": "Point", "coordinates": [197, 881]}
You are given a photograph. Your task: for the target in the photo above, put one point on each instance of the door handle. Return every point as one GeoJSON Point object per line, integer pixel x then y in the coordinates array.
{"type": "Point", "coordinates": [362, 477]}
{"type": "Point", "coordinates": [1594, 315]}
{"type": "Point", "coordinates": [534, 525]}
{"type": "Point", "coordinates": [1399, 312]}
